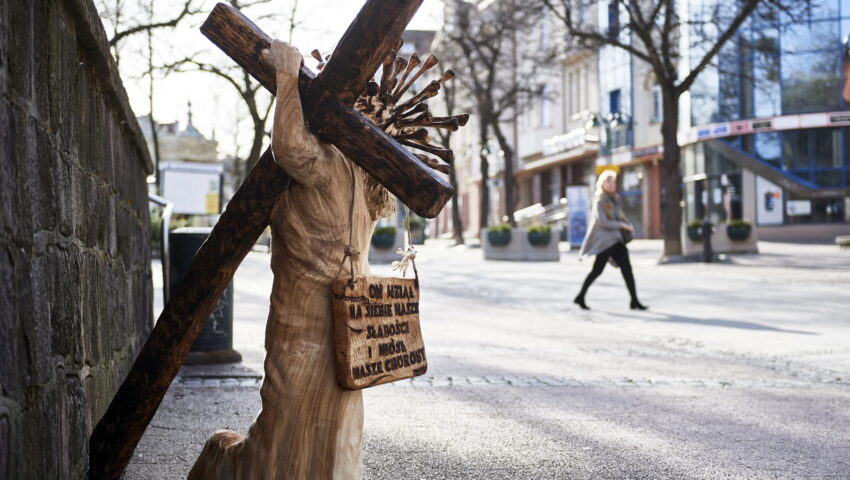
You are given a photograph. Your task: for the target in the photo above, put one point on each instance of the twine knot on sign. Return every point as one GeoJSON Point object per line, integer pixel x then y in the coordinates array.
{"type": "Point", "coordinates": [408, 257]}
{"type": "Point", "coordinates": [352, 252]}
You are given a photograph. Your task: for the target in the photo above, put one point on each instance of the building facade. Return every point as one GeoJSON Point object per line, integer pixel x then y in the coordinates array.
{"type": "Point", "coordinates": [765, 132]}
{"type": "Point", "coordinates": [768, 138]}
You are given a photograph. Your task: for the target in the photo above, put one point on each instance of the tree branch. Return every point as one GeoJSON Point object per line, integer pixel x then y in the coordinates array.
{"type": "Point", "coordinates": [187, 11]}
{"type": "Point", "coordinates": [745, 12]}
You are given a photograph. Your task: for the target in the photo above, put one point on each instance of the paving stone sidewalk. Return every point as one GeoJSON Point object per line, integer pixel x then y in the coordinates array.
{"type": "Point", "coordinates": [738, 370]}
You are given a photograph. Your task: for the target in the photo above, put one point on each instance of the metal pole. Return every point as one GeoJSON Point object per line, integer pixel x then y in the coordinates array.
{"type": "Point", "coordinates": [707, 254]}
{"type": "Point", "coordinates": [168, 207]}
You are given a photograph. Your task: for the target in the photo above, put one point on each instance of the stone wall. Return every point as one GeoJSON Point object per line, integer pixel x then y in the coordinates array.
{"type": "Point", "coordinates": [75, 281]}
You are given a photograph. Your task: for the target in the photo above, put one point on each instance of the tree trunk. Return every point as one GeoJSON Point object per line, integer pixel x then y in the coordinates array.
{"type": "Point", "coordinates": [671, 176]}
{"type": "Point", "coordinates": [508, 175]}
{"type": "Point", "coordinates": [457, 227]}
{"type": "Point", "coordinates": [484, 207]}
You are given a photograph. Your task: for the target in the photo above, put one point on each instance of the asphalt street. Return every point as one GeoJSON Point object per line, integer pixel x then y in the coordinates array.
{"type": "Point", "coordinates": [739, 370]}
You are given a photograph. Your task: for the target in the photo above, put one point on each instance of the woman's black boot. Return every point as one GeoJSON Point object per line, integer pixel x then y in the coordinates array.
{"type": "Point", "coordinates": [579, 300]}
{"type": "Point", "coordinates": [636, 305]}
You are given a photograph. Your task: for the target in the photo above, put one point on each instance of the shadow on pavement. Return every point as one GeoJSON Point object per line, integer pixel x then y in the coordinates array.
{"type": "Point", "coordinates": [709, 322]}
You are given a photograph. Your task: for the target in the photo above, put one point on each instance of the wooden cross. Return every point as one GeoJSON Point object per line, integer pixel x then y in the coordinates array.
{"type": "Point", "coordinates": [327, 102]}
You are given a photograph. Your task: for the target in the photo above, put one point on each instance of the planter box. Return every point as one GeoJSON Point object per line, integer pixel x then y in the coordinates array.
{"type": "Point", "coordinates": [519, 248]}
{"type": "Point", "coordinates": [387, 255]}
{"type": "Point", "coordinates": [720, 243]}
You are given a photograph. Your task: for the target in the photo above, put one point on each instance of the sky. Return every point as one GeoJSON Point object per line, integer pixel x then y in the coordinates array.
{"type": "Point", "coordinates": [216, 108]}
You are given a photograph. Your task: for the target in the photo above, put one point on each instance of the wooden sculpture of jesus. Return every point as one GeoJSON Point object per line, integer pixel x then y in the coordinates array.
{"type": "Point", "coordinates": [309, 427]}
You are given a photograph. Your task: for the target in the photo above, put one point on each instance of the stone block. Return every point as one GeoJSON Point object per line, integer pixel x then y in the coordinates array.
{"type": "Point", "coordinates": [83, 119]}
{"type": "Point", "coordinates": [36, 326]}
{"type": "Point", "coordinates": [78, 423]}
{"type": "Point", "coordinates": [520, 249]}
{"type": "Point", "coordinates": [65, 320]}
{"type": "Point", "coordinates": [63, 174]}
{"type": "Point", "coordinates": [27, 192]}
{"type": "Point", "coordinates": [123, 236]}
{"type": "Point", "coordinates": [387, 255]}
{"type": "Point", "coordinates": [40, 59]}
{"type": "Point", "coordinates": [45, 210]}
{"type": "Point", "coordinates": [9, 167]}
{"type": "Point", "coordinates": [5, 445]}
{"type": "Point", "coordinates": [8, 324]}
{"type": "Point", "coordinates": [89, 318]}
{"type": "Point", "coordinates": [20, 49]}
{"type": "Point", "coordinates": [720, 243]}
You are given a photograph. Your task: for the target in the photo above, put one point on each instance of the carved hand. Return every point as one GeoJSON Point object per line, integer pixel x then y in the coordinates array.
{"type": "Point", "coordinates": [283, 57]}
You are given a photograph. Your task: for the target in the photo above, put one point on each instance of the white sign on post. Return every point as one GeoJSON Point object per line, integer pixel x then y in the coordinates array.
{"type": "Point", "coordinates": [192, 187]}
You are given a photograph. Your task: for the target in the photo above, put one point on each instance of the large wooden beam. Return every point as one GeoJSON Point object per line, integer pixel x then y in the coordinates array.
{"type": "Point", "coordinates": [360, 52]}
{"type": "Point", "coordinates": [116, 435]}
{"type": "Point", "coordinates": [328, 106]}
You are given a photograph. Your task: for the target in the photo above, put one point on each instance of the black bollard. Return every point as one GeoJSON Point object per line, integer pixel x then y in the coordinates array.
{"type": "Point", "coordinates": [215, 342]}
{"type": "Point", "coordinates": [707, 254]}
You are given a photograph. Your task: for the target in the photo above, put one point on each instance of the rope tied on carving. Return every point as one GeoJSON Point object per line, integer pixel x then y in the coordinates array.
{"type": "Point", "coordinates": [408, 257]}
{"type": "Point", "coordinates": [349, 251]}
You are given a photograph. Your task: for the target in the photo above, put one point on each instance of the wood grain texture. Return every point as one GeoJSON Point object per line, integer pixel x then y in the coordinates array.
{"type": "Point", "coordinates": [336, 122]}
{"type": "Point", "coordinates": [116, 435]}
{"type": "Point", "coordinates": [377, 337]}
{"type": "Point", "coordinates": [309, 428]}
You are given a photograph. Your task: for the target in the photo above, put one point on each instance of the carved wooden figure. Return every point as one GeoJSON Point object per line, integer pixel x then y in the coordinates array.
{"type": "Point", "coordinates": [309, 427]}
{"type": "Point", "coordinates": [327, 102]}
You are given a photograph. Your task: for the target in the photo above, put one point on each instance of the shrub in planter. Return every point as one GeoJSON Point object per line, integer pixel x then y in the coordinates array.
{"type": "Point", "coordinates": [417, 229]}
{"type": "Point", "coordinates": [539, 235]}
{"type": "Point", "coordinates": [739, 230]}
{"type": "Point", "coordinates": [499, 235]}
{"type": "Point", "coordinates": [695, 230]}
{"type": "Point", "coordinates": [383, 237]}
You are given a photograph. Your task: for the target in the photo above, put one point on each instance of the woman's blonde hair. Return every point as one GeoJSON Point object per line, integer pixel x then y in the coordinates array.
{"type": "Point", "coordinates": [605, 175]}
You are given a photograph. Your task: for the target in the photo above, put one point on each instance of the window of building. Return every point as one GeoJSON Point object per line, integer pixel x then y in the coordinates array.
{"type": "Point", "coordinates": [545, 107]}
{"type": "Point", "coordinates": [814, 210]}
{"type": "Point", "coordinates": [544, 29]}
{"type": "Point", "coordinates": [810, 82]}
{"type": "Point", "coordinates": [614, 19]}
{"type": "Point", "coordinates": [657, 113]}
{"type": "Point", "coordinates": [614, 101]}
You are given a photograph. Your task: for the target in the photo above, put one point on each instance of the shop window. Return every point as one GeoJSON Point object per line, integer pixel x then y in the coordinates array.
{"type": "Point", "coordinates": [826, 147]}
{"type": "Point", "coordinates": [815, 210]}
{"type": "Point", "coordinates": [810, 82]}
{"type": "Point", "coordinates": [766, 91]}
{"type": "Point", "coordinates": [828, 177]}
{"type": "Point", "coordinates": [806, 36]}
{"type": "Point", "coordinates": [767, 148]}
{"type": "Point", "coordinates": [796, 149]}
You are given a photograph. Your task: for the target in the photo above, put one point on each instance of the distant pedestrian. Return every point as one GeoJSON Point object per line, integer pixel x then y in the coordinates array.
{"type": "Point", "coordinates": [606, 238]}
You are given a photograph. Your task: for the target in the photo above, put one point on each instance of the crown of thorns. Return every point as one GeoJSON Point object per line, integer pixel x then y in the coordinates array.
{"type": "Point", "coordinates": [407, 121]}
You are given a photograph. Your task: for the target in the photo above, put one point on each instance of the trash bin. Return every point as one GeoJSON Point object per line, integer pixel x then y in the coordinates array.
{"type": "Point", "coordinates": [215, 342]}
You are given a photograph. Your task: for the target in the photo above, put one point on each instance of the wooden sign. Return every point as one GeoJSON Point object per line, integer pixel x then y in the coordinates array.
{"type": "Point", "coordinates": [377, 336]}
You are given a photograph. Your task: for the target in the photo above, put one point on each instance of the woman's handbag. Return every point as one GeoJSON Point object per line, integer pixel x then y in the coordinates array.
{"type": "Point", "coordinates": [627, 236]}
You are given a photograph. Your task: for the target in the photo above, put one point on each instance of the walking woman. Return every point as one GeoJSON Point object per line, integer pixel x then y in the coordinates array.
{"type": "Point", "coordinates": [605, 238]}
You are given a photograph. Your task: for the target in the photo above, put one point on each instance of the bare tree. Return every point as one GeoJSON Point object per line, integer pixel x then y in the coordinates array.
{"type": "Point", "coordinates": [116, 13]}
{"type": "Point", "coordinates": [650, 32]}
{"type": "Point", "coordinates": [500, 85]}
{"type": "Point", "coordinates": [449, 105]}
